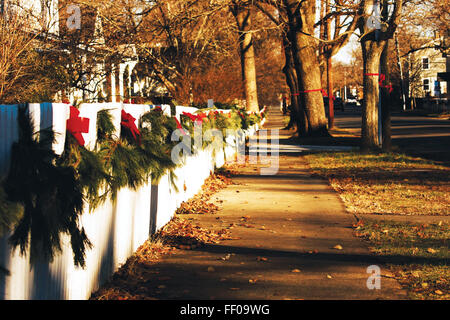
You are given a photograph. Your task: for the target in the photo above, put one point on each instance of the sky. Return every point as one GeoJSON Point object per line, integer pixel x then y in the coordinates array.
{"type": "Point", "coordinates": [345, 54]}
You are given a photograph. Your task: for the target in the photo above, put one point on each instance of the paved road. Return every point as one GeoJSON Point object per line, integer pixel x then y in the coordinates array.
{"type": "Point", "coordinates": [423, 136]}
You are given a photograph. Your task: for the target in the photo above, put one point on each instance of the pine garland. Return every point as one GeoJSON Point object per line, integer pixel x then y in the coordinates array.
{"type": "Point", "coordinates": [10, 212]}
{"type": "Point", "coordinates": [50, 195]}
{"type": "Point", "coordinates": [44, 193]}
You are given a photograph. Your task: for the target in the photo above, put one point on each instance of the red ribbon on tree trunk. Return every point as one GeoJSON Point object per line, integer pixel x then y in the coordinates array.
{"type": "Point", "coordinates": [380, 81]}
{"type": "Point", "coordinates": [128, 122]}
{"type": "Point", "coordinates": [76, 125]}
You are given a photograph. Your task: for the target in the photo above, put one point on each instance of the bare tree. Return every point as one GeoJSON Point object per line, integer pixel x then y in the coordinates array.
{"type": "Point", "coordinates": [15, 47]}
{"type": "Point", "coordinates": [338, 22]}
{"type": "Point", "coordinates": [242, 13]}
{"type": "Point", "coordinates": [373, 41]}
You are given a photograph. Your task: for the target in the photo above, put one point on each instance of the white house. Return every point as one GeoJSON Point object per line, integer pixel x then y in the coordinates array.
{"type": "Point", "coordinates": [424, 66]}
{"type": "Point", "coordinates": [109, 80]}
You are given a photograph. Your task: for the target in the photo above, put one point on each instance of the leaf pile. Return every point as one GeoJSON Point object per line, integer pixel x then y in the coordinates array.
{"type": "Point", "coordinates": [136, 279]}
{"type": "Point", "coordinates": [199, 203]}
{"type": "Point", "coordinates": [130, 282]}
{"type": "Point", "coordinates": [183, 234]}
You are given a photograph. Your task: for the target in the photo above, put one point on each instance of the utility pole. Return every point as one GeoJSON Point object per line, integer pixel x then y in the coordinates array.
{"type": "Point", "coordinates": [329, 68]}
{"type": "Point", "coordinates": [399, 63]}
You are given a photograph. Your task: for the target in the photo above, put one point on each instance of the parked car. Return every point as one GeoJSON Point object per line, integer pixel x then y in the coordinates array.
{"type": "Point", "coordinates": [352, 101]}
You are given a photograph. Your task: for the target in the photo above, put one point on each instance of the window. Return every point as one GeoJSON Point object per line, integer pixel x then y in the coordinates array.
{"type": "Point", "coordinates": [426, 85]}
{"type": "Point", "coordinates": [425, 64]}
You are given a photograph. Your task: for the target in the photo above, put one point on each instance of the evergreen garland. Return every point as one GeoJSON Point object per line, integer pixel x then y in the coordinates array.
{"type": "Point", "coordinates": [10, 212]}
{"type": "Point", "coordinates": [44, 193]}
{"type": "Point", "coordinates": [91, 175]}
{"type": "Point", "coordinates": [50, 195]}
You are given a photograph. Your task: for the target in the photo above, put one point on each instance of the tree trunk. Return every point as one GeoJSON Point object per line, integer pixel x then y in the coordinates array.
{"type": "Point", "coordinates": [371, 51]}
{"type": "Point", "coordinates": [377, 30]}
{"type": "Point", "coordinates": [247, 53]}
{"type": "Point", "coordinates": [330, 93]}
{"type": "Point", "coordinates": [301, 16]}
{"type": "Point", "coordinates": [329, 66]}
{"type": "Point", "coordinates": [292, 82]}
{"type": "Point", "coordinates": [385, 101]}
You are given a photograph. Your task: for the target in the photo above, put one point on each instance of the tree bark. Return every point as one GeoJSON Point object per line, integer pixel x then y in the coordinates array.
{"type": "Point", "coordinates": [373, 42]}
{"type": "Point", "coordinates": [301, 16]}
{"type": "Point", "coordinates": [385, 101]}
{"type": "Point", "coordinates": [247, 53]}
{"type": "Point", "coordinates": [371, 67]}
{"type": "Point", "coordinates": [292, 82]}
{"type": "Point", "coordinates": [329, 50]}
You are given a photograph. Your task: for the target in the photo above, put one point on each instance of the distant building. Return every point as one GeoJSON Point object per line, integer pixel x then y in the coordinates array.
{"type": "Point", "coordinates": [115, 76]}
{"type": "Point", "coordinates": [424, 67]}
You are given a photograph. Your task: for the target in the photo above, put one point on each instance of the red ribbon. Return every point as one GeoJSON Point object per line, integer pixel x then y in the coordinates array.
{"type": "Point", "coordinates": [179, 126]}
{"type": "Point", "coordinates": [380, 82]}
{"type": "Point", "coordinates": [195, 117]}
{"type": "Point", "coordinates": [128, 122]}
{"type": "Point", "coordinates": [76, 125]}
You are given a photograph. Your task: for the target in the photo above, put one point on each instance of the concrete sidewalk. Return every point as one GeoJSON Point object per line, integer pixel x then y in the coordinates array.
{"type": "Point", "coordinates": [286, 247]}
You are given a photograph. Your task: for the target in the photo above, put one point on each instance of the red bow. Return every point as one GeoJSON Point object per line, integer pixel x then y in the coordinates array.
{"type": "Point", "coordinates": [202, 116]}
{"type": "Point", "coordinates": [195, 118]}
{"type": "Point", "coordinates": [179, 126]}
{"type": "Point", "coordinates": [76, 125]}
{"type": "Point", "coordinates": [128, 122]}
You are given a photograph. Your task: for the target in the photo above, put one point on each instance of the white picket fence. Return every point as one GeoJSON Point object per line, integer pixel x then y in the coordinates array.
{"type": "Point", "coordinates": [116, 229]}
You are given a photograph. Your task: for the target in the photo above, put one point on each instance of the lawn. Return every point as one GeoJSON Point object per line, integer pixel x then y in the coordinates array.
{"type": "Point", "coordinates": [417, 254]}
{"type": "Point", "coordinates": [386, 183]}
{"type": "Point", "coordinates": [397, 184]}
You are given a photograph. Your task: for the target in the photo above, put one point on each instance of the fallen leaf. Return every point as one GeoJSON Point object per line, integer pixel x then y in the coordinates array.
{"type": "Point", "coordinates": [329, 277]}
{"type": "Point", "coordinates": [252, 280]}
{"type": "Point", "coordinates": [431, 250]}
{"type": "Point", "coordinates": [296, 270]}
{"type": "Point", "coordinates": [438, 292]}
{"type": "Point", "coordinates": [338, 247]}
{"type": "Point", "coordinates": [424, 285]}
{"type": "Point", "coordinates": [261, 259]}
{"type": "Point", "coordinates": [228, 256]}
{"type": "Point", "coordinates": [415, 274]}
